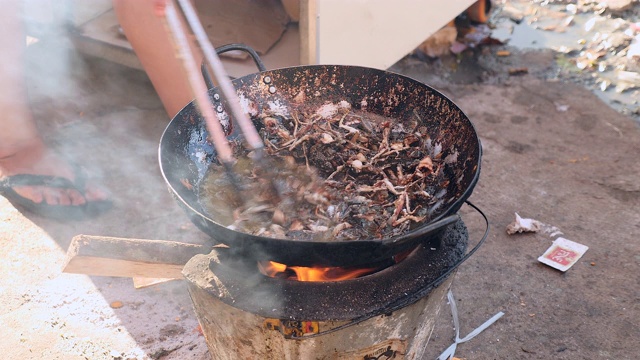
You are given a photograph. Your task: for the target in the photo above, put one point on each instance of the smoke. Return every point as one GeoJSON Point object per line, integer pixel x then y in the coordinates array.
{"type": "Point", "coordinates": [104, 117]}
{"type": "Point", "coordinates": [51, 64]}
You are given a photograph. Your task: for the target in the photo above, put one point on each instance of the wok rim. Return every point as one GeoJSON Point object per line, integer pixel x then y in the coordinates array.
{"type": "Point", "coordinates": [451, 208]}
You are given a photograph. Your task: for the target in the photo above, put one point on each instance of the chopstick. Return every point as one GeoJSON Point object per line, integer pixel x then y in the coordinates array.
{"type": "Point", "coordinates": [198, 86]}
{"type": "Point", "coordinates": [228, 92]}
{"type": "Point", "coordinates": [229, 96]}
{"type": "Point", "coordinates": [224, 82]}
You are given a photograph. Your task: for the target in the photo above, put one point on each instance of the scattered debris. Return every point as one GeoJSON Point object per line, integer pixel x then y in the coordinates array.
{"type": "Point", "coordinates": [561, 107]}
{"type": "Point", "coordinates": [518, 71]}
{"type": "Point", "coordinates": [633, 52]}
{"type": "Point", "coordinates": [439, 43]}
{"type": "Point", "coordinates": [162, 352]}
{"type": "Point", "coordinates": [514, 14]}
{"type": "Point", "coordinates": [521, 225]}
{"type": "Point", "coordinates": [577, 160]}
{"type": "Point", "coordinates": [617, 6]}
{"type": "Point", "coordinates": [116, 304]}
{"type": "Point", "coordinates": [563, 254]}
{"type": "Point", "coordinates": [627, 80]}
{"type": "Point", "coordinates": [599, 42]}
{"type": "Point", "coordinates": [473, 36]}
{"type": "Point", "coordinates": [458, 36]}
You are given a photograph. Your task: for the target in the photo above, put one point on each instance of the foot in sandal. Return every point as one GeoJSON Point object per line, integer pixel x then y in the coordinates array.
{"type": "Point", "coordinates": [39, 181]}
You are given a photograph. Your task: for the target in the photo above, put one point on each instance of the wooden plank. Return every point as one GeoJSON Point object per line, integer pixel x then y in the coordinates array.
{"type": "Point", "coordinates": [143, 282]}
{"type": "Point", "coordinates": [285, 53]}
{"type": "Point", "coordinates": [101, 38]}
{"type": "Point", "coordinates": [109, 256]}
{"type": "Point", "coordinates": [258, 24]}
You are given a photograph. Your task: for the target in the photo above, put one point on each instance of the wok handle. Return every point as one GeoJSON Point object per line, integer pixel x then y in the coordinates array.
{"type": "Point", "coordinates": [424, 290]}
{"type": "Point", "coordinates": [230, 47]}
{"type": "Point", "coordinates": [420, 293]}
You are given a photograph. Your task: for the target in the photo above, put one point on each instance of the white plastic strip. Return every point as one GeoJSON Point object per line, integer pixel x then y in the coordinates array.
{"type": "Point", "coordinates": [451, 350]}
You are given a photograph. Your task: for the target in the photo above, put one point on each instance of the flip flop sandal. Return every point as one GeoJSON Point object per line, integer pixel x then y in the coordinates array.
{"type": "Point", "coordinates": [58, 212]}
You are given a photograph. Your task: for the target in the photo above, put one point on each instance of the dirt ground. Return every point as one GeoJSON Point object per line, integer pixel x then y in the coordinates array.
{"type": "Point", "coordinates": [553, 151]}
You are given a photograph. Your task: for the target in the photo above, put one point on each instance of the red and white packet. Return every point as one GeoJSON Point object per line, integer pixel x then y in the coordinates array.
{"type": "Point", "coordinates": [563, 254]}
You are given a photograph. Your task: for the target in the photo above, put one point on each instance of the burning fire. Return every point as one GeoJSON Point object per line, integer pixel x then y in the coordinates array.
{"type": "Point", "coordinates": [318, 273]}
{"type": "Point", "coordinates": [301, 273]}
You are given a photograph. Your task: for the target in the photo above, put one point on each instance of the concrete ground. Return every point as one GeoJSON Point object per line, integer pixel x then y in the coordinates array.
{"type": "Point", "coordinates": [552, 151]}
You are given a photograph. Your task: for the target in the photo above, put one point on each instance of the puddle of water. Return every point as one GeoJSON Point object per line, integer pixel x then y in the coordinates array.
{"type": "Point", "coordinates": [522, 36]}
{"type": "Point", "coordinates": [530, 34]}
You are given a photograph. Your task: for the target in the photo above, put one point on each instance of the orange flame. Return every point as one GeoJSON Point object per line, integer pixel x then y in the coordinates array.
{"type": "Point", "coordinates": [301, 273]}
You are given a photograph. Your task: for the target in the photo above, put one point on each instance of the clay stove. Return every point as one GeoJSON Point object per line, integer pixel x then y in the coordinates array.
{"type": "Point", "coordinates": [389, 314]}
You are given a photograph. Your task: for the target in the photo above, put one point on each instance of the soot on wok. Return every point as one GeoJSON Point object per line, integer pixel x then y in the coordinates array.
{"type": "Point", "coordinates": [341, 175]}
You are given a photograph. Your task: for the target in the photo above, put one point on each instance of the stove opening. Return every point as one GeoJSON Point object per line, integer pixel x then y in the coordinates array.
{"type": "Point", "coordinates": [323, 273]}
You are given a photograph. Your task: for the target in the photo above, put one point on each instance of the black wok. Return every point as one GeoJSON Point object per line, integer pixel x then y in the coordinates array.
{"type": "Point", "coordinates": [185, 154]}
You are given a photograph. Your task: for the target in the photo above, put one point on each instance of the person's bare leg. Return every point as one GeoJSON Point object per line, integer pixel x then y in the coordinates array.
{"type": "Point", "coordinates": [146, 32]}
{"type": "Point", "coordinates": [17, 128]}
{"type": "Point", "coordinates": [22, 150]}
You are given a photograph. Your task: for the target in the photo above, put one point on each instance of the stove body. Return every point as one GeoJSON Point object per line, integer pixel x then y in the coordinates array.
{"type": "Point", "coordinates": [386, 315]}
{"type": "Point", "coordinates": [233, 334]}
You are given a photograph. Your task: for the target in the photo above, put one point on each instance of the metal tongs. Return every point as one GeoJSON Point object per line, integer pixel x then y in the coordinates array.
{"type": "Point", "coordinates": [200, 91]}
